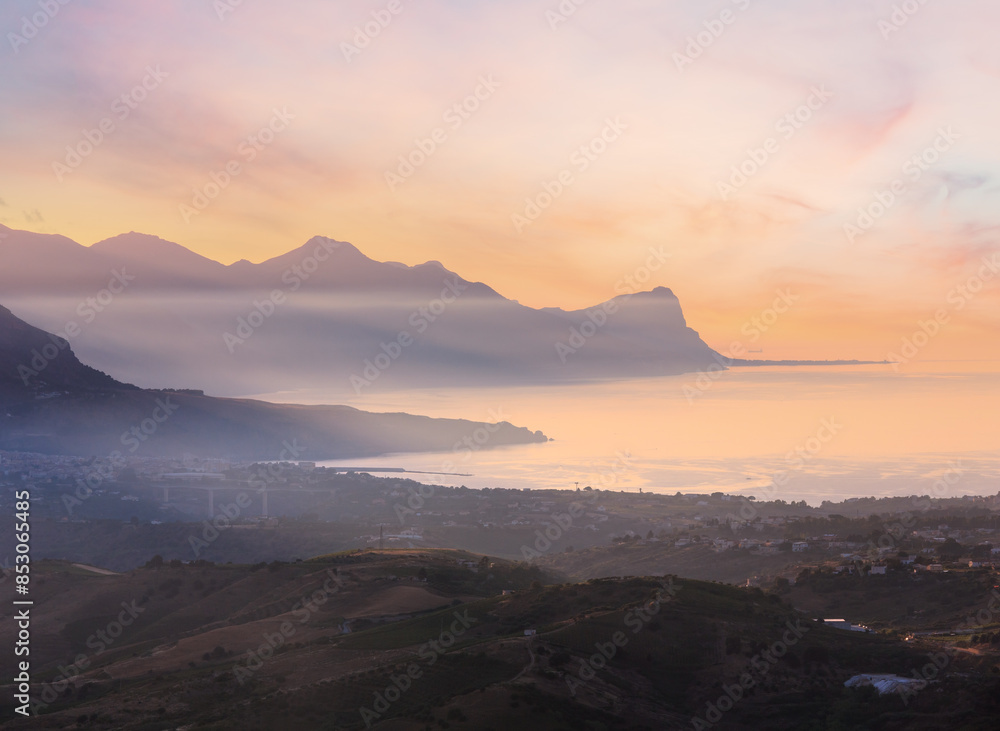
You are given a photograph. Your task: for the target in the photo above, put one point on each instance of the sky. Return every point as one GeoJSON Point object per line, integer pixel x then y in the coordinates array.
{"type": "Point", "coordinates": [820, 177]}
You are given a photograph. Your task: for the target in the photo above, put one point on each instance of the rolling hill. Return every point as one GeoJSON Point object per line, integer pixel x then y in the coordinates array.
{"type": "Point", "coordinates": [442, 639]}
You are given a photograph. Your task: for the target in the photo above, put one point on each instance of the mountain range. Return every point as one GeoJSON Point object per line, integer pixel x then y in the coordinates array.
{"type": "Point", "coordinates": [323, 316]}
{"type": "Point", "coordinates": [52, 403]}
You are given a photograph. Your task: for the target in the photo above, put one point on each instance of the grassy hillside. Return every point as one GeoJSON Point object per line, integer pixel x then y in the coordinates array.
{"type": "Point", "coordinates": [696, 561]}
{"type": "Point", "coordinates": [897, 601]}
{"type": "Point", "coordinates": [437, 639]}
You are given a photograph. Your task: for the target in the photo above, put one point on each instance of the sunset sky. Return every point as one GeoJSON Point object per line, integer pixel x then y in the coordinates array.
{"type": "Point", "coordinates": [911, 100]}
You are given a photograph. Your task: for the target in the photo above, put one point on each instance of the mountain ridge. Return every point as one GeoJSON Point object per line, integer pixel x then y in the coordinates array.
{"type": "Point", "coordinates": [51, 403]}
{"type": "Point", "coordinates": [323, 314]}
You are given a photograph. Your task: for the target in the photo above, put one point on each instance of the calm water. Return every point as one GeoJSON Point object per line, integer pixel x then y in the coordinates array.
{"type": "Point", "coordinates": [835, 432]}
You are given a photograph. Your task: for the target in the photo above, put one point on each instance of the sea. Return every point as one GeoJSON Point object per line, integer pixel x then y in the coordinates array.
{"type": "Point", "coordinates": [796, 433]}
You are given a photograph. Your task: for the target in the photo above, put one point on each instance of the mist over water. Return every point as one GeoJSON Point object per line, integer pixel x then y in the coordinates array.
{"type": "Point", "coordinates": [822, 433]}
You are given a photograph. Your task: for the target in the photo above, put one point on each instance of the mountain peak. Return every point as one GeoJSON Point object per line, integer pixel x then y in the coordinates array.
{"type": "Point", "coordinates": [135, 239]}
{"type": "Point", "coordinates": [321, 248]}
{"type": "Point", "coordinates": [335, 246]}
{"type": "Point", "coordinates": [135, 245]}
{"type": "Point", "coordinates": [663, 292]}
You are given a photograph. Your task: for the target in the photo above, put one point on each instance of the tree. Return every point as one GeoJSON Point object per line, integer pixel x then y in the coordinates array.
{"type": "Point", "coordinates": [155, 562]}
{"type": "Point", "coordinates": [981, 552]}
{"type": "Point", "coordinates": [950, 550]}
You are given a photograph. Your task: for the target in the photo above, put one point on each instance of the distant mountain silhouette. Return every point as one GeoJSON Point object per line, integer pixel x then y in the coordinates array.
{"type": "Point", "coordinates": [325, 316]}
{"type": "Point", "coordinates": [52, 403]}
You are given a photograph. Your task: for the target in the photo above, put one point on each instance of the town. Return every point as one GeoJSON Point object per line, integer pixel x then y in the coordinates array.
{"type": "Point", "coordinates": [720, 536]}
